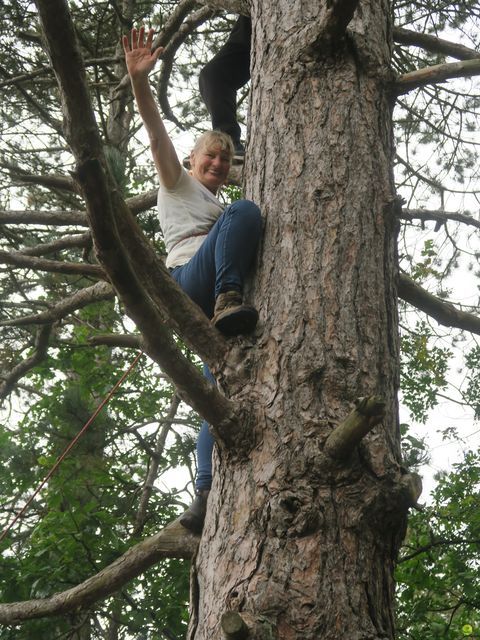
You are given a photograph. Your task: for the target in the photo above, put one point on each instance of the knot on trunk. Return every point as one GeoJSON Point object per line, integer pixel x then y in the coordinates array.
{"type": "Point", "coordinates": [293, 514]}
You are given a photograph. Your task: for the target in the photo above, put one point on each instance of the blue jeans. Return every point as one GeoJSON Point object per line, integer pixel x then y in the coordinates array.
{"type": "Point", "coordinates": [221, 264]}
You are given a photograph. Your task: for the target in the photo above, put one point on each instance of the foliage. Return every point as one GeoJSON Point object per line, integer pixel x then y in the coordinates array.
{"type": "Point", "coordinates": [472, 392]}
{"type": "Point", "coordinates": [438, 573]}
{"type": "Point", "coordinates": [414, 450]}
{"type": "Point", "coordinates": [85, 518]}
{"type": "Point", "coordinates": [423, 371]}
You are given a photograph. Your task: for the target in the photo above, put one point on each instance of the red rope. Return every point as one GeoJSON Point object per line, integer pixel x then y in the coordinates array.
{"type": "Point", "coordinates": [70, 446]}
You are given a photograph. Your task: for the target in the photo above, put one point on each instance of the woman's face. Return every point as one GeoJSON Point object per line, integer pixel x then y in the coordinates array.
{"type": "Point", "coordinates": [210, 166]}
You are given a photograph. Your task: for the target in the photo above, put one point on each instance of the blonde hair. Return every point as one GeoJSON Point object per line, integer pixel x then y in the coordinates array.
{"type": "Point", "coordinates": [212, 138]}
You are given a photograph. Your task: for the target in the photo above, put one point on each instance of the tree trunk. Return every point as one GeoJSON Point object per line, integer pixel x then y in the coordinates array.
{"type": "Point", "coordinates": [301, 545]}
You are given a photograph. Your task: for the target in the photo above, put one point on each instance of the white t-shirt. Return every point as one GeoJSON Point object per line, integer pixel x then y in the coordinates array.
{"type": "Point", "coordinates": [187, 212]}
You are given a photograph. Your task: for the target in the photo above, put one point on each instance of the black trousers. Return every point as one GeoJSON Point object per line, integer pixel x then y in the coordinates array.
{"type": "Point", "coordinates": [227, 72]}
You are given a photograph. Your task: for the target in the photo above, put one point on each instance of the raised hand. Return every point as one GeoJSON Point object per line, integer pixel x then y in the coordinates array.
{"type": "Point", "coordinates": [138, 53]}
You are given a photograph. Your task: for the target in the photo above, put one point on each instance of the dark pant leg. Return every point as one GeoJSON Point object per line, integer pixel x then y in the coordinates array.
{"type": "Point", "coordinates": [223, 75]}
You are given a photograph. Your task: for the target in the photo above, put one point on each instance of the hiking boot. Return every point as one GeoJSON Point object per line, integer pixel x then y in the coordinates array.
{"type": "Point", "coordinates": [231, 316]}
{"type": "Point", "coordinates": [194, 516]}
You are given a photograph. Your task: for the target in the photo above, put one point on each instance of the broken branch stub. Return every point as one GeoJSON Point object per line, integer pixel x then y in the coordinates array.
{"type": "Point", "coordinates": [233, 626]}
{"type": "Point", "coordinates": [368, 412]}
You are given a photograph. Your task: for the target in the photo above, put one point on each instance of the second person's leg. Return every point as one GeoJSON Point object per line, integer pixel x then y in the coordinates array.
{"type": "Point", "coordinates": [226, 72]}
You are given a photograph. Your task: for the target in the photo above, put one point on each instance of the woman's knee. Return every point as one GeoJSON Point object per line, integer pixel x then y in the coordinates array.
{"type": "Point", "coordinates": [249, 213]}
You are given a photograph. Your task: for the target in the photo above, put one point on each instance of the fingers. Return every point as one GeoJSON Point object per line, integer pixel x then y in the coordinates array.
{"type": "Point", "coordinates": [141, 34]}
{"type": "Point", "coordinates": [149, 38]}
{"type": "Point", "coordinates": [137, 39]}
{"type": "Point", "coordinates": [158, 52]}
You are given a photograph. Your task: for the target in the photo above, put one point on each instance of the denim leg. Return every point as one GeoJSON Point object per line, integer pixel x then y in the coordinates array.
{"type": "Point", "coordinates": [204, 448]}
{"type": "Point", "coordinates": [236, 245]}
{"type": "Point", "coordinates": [224, 258]}
{"type": "Point", "coordinates": [220, 264]}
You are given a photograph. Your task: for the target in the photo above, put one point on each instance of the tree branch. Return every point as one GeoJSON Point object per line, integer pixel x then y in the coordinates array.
{"type": "Point", "coordinates": [52, 181]}
{"type": "Point", "coordinates": [433, 44]}
{"type": "Point", "coordinates": [339, 15]}
{"type": "Point", "coordinates": [443, 312]}
{"type": "Point", "coordinates": [136, 204]}
{"type": "Point", "coordinates": [96, 293]}
{"type": "Point", "coordinates": [149, 293]}
{"type": "Point", "coordinates": [439, 542]}
{"type": "Point", "coordinates": [177, 39]}
{"type": "Point", "coordinates": [346, 436]}
{"type": "Point", "coordinates": [441, 217]}
{"type": "Point", "coordinates": [430, 181]}
{"type": "Point", "coordinates": [172, 542]}
{"type": "Point", "coordinates": [41, 347]}
{"type": "Point", "coordinates": [174, 22]}
{"type": "Point", "coordinates": [24, 77]}
{"type": "Point", "coordinates": [141, 514]}
{"type": "Point", "coordinates": [411, 489]}
{"type": "Point", "coordinates": [437, 73]}
{"type": "Point", "coordinates": [241, 7]}
{"type": "Point", "coordinates": [116, 340]}
{"type": "Point", "coordinates": [67, 242]}
{"type": "Point", "coordinates": [18, 259]}
{"type": "Point", "coordinates": [45, 114]}
{"type": "Point", "coordinates": [48, 218]}
{"type": "Point", "coordinates": [140, 203]}
{"type": "Point", "coordinates": [234, 626]}
{"type": "Point", "coordinates": [171, 26]}
{"type": "Point", "coordinates": [47, 71]}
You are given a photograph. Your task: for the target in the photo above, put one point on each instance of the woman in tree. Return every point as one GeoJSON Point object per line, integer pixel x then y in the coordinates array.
{"type": "Point", "coordinates": [210, 249]}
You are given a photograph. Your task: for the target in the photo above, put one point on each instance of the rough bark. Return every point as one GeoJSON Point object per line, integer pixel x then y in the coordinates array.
{"type": "Point", "coordinates": [301, 546]}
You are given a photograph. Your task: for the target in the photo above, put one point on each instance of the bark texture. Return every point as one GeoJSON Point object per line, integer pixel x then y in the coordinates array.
{"type": "Point", "coordinates": [302, 546]}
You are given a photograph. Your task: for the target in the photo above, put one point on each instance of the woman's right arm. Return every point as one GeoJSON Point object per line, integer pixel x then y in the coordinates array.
{"type": "Point", "coordinates": [140, 61]}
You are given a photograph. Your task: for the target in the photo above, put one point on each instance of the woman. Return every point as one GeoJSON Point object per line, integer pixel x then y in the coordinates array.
{"type": "Point", "coordinates": [210, 250]}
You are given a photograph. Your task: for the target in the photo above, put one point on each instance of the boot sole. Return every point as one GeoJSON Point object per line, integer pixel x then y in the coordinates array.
{"type": "Point", "coordinates": [192, 523]}
{"type": "Point", "coordinates": [237, 321]}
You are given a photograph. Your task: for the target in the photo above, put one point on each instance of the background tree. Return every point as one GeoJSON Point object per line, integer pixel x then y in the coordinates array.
{"type": "Point", "coordinates": [317, 514]}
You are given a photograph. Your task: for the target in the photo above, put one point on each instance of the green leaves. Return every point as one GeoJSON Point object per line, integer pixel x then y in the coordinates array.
{"type": "Point", "coordinates": [423, 371]}
{"type": "Point", "coordinates": [84, 518]}
{"type": "Point", "coordinates": [438, 573]}
{"type": "Point", "coordinates": [414, 450]}
{"type": "Point", "coordinates": [425, 268]}
{"type": "Point", "coordinates": [472, 392]}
